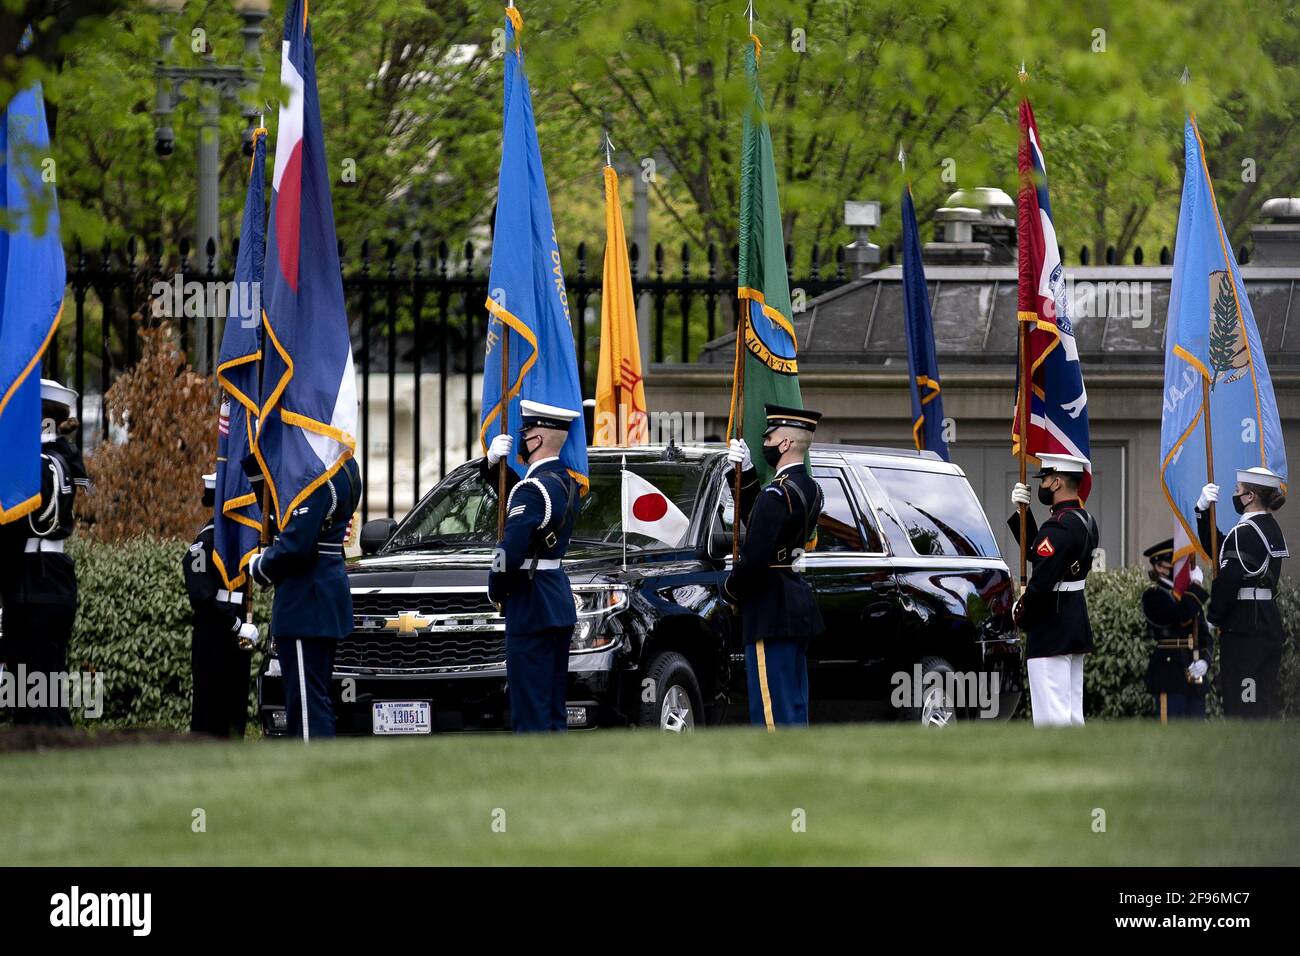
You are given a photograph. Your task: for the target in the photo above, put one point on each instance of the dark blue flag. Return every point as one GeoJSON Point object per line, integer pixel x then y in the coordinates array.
{"type": "Point", "coordinates": [923, 367]}
{"type": "Point", "coordinates": [237, 516]}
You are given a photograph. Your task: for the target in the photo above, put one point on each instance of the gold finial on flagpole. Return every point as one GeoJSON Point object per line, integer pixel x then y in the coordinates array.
{"type": "Point", "coordinates": [902, 157]}
{"type": "Point", "coordinates": [609, 149]}
{"type": "Point", "coordinates": [1024, 77]}
{"type": "Point", "coordinates": [1186, 77]}
{"type": "Point", "coordinates": [749, 12]}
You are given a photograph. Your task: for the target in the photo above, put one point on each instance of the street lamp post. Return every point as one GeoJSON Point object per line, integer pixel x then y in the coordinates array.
{"type": "Point", "coordinates": [213, 83]}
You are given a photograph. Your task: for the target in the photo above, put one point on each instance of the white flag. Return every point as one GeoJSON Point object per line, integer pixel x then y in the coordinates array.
{"type": "Point", "coordinates": [647, 510]}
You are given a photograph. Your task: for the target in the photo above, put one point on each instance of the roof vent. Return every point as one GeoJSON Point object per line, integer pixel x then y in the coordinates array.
{"type": "Point", "coordinates": [1277, 243]}
{"type": "Point", "coordinates": [974, 228]}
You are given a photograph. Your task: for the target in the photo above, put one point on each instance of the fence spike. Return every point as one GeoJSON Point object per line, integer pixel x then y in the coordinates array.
{"type": "Point", "coordinates": [1137, 255]}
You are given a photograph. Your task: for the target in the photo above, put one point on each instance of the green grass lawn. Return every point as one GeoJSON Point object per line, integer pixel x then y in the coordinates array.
{"type": "Point", "coordinates": [973, 794]}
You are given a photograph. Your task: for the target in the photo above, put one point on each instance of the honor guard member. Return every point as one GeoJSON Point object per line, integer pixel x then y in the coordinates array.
{"type": "Point", "coordinates": [39, 583]}
{"type": "Point", "coordinates": [527, 580]}
{"type": "Point", "coordinates": [1243, 600]}
{"type": "Point", "coordinates": [220, 640]}
{"type": "Point", "coordinates": [1182, 647]}
{"type": "Point", "coordinates": [1053, 610]}
{"type": "Point", "coordinates": [778, 614]}
{"type": "Point", "coordinates": [312, 608]}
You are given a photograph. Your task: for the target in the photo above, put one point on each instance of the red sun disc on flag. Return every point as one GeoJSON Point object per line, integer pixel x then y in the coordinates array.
{"type": "Point", "coordinates": [650, 507]}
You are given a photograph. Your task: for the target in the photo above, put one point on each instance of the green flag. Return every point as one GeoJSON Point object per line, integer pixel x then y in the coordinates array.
{"type": "Point", "coordinates": [767, 347]}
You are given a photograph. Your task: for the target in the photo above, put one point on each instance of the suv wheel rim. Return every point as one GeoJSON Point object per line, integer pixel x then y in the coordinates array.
{"type": "Point", "coordinates": [934, 710]}
{"type": "Point", "coordinates": [676, 715]}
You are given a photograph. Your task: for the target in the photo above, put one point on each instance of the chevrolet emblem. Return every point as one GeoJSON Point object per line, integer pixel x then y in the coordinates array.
{"type": "Point", "coordinates": [408, 622]}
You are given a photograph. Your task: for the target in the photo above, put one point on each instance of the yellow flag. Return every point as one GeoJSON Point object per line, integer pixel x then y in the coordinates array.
{"type": "Point", "coordinates": [621, 415]}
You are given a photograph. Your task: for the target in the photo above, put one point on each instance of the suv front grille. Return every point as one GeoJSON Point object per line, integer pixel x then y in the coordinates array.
{"type": "Point", "coordinates": [427, 631]}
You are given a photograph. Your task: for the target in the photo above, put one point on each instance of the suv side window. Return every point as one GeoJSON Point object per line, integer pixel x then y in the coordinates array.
{"type": "Point", "coordinates": [838, 528]}
{"type": "Point", "coordinates": [939, 514]}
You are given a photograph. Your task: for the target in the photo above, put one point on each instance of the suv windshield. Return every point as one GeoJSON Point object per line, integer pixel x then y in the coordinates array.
{"type": "Point", "coordinates": [463, 511]}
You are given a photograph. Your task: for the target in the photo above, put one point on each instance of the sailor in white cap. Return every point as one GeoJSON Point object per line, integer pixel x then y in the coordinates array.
{"type": "Point", "coordinates": [39, 584]}
{"type": "Point", "coordinates": [1053, 610]}
{"type": "Point", "coordinates": [221, 637]}
{"type": "Point", "coordinates": [527, 579]}
{"type": "Point", "coordinates": [1243, 602]}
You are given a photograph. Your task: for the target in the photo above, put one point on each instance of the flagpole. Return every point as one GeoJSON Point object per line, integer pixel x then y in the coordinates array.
{"type": "Point", "coordinates": [622, 481]}
{"type": "Point", "coordinates": [505, 427]}
{"type": "Point", "coordinates": [738, 422]}
{"type": "Point", "coordinates": [1209, 471]}
{"type": "Point", "coordinates": [1026, 384]}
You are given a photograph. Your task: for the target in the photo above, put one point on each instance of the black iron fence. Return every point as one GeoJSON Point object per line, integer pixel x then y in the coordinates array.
{"type": "Point", "coordinates": [417, 317]}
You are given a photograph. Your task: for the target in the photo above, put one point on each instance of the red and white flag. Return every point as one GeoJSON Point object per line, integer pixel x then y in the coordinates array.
{"type": "Point", "coordinates": [647, 510]}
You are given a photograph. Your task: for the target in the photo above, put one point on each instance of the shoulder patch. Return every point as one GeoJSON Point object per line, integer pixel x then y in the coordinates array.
{"type": "Point", "coordinates": [1045, 548]}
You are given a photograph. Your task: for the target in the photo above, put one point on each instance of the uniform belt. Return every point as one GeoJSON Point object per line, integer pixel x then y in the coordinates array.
{"type": "Point", "coordinates": [329, 550]}
{"type": "Point", "coordinates": [1169, 644]}
{"type": "Point", "coordinates": [230, 597]}
{"type": "Point", "coordinates": [43, 544]}
{"type": "Point", "coordinates": [1068, 586]}
{"type": "Point", "coordinates": [1245, 594]}
{"type": "Point", "coordinates": [540, 564]}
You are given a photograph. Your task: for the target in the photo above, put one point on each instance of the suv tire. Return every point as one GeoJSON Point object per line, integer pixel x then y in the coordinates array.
{"type": "Point", "coordinates": [677, 705]}
{"type": "Point", "coordinates": [934, 710]}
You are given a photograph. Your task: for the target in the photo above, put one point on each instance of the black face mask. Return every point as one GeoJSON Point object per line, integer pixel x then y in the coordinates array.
{"type": "Point", "coordinates": [772, 454]}
{"type": "Point", "coordinates": [1238, 504]}
{"type": "Point", "coordinates": [524, 453]}
{"type": "Point", "coordinates": [1045, 495]}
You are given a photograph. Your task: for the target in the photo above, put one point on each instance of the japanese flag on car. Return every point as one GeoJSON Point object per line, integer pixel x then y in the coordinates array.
{"type": "Point", "coordinates": [647, 510]}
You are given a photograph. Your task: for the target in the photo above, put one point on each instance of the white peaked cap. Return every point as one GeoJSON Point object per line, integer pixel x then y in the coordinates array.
{"type": "Point", "coordinates": [52, 391]}
{"type": "Point", "coordinates": [547, 415]}
{"type": "Point", "coordinates": [1259, 476]}
{"type": "Point", "coordinates": [1061, 465]}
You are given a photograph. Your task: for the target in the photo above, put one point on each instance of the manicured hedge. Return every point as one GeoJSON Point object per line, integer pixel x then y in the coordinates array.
{"type": "Point", "coordinates": [1113, 683]}
{"type": "Point", "coordinates": [133, 624]}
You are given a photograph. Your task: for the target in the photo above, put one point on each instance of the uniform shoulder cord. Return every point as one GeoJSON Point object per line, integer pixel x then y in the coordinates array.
{"type": "Point", "coordinates": [51, 512]}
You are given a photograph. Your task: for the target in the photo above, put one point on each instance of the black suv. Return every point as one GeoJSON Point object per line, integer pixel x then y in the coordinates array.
{"type": "Point", "coordinates": [915, 595]}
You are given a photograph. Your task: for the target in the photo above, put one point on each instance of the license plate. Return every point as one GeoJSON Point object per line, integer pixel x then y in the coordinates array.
{"type": "Point", "coordinates": [402, 717]}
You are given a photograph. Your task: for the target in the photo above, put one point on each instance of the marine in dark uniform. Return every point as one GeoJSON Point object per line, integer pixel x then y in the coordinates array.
{"type": "Point", "coordinates": [1243, 598]}
{"type": "Point", "coordinates": [778, 613]}
{"type": "Point", "coordinates": [527, 580]}
{"type": "Point", "coordinates": [1053, 610]}
{"type": "Point", "coordinates": [38, 583]}
{"type": "Point", "coordinates": [221, 638]}
{"type": "Point", "coordinates": [312, 608]}
{"type": "Point", "coordinates": [1181, 644]}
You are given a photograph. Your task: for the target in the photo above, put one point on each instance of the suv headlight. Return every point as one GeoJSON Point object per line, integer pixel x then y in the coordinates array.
{"type": "Point", "coordinates": [595, 604]}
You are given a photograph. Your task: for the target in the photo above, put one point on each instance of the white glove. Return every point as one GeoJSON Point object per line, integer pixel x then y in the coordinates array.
{"type": "Point", "coordinates": [1209, 495]}
{"type": "Point", "coordinates": [738, 454]}
{"type": "Point", "coordinates": [248, 635]}
{"type": "Point", "coordinates": [1020, 494]}
{"type": "Point", "coordinates": [1198, 576]}
{"type": "Point", "coordinates": [499, 448]}
{"type": "Point", "coordinates": [1198, 669]}
{"type": "Point", "coordinates": [252, 567]}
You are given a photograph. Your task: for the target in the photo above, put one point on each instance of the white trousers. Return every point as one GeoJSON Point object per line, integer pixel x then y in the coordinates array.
{"type": "Point", "coordinates": [1056, 690]}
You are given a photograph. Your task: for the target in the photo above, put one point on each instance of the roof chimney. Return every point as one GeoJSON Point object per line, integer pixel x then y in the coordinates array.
{"type": "Point", "coordinates": [1277, 243]}
{"type": "Point", "coordinates": [973, 228]}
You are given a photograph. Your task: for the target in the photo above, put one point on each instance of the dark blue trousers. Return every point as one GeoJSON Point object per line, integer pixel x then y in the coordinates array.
{"type": "Point", "coordinates": [537, 677]}
{"type": "Point", "coordinates": [1191, 706]}
{"type": "Point", "coordinates": [777, 673]}
{"type": "Point", "coordinates": [307, 664]}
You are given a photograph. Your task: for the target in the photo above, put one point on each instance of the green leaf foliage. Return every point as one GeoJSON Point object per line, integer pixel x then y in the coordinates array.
{"type": "Point", "coordinates": [133, 626]}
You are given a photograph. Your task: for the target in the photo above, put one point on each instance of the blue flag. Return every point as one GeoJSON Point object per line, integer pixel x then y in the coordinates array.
{"type": "Point", "coordinates": [31, 297]}
{"type": "Point", "coordinates": [527, 297]}
{"type": "Point", "coordinates": [1212, 350]}
{"type": "Point", "coordinates": [237, 515]}
{"type": "Point", "coordinates": [308, 420]}
{"type": "Point", "coordinates": [923, 366]}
